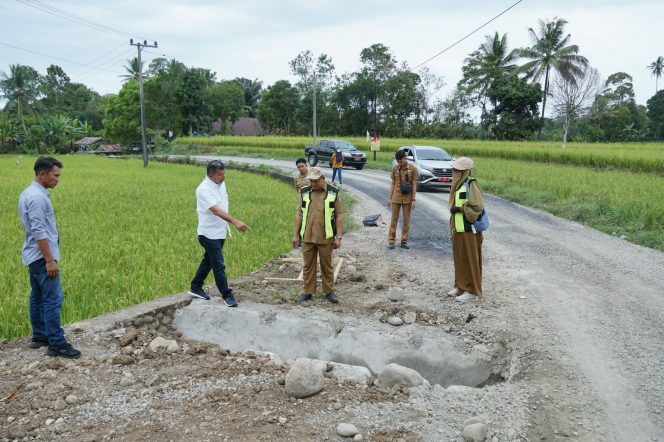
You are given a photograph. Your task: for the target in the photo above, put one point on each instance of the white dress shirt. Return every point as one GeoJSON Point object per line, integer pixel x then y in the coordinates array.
{"type": "Point", "coordinates": [209, 194]}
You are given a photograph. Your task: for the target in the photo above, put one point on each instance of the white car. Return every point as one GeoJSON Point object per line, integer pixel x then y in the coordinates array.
{"type": "Point", "coordinates": [433, 165]}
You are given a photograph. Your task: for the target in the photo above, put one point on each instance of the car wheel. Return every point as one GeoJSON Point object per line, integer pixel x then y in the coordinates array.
{"type": "Point", "coordinates": [420, 187]}
{"type": "Point", "coordinates": [313, 159]}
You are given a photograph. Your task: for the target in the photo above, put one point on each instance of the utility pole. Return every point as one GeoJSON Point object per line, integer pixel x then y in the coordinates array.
{"type": "Point", "coordinates": [144, 142]}
{"type": "Point", "coordinates": [314, 106]}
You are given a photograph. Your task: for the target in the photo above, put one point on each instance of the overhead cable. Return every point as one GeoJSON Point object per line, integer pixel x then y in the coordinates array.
{"type": "Point", "coordinates": [53, 56]}
{"type": "Point", "coordinates": [72, 17]}
{"type": "Point", "coordinates": [465, 36]}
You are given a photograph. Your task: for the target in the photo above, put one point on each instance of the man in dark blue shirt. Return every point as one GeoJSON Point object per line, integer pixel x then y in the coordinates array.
{"type": "Point", "coordinates": [41, 253]}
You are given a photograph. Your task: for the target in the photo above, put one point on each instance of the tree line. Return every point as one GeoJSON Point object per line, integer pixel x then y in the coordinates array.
{"type": "Point", "coordinates": [504, 94]}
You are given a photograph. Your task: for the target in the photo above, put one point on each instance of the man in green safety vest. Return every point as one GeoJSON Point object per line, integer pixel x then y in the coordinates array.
{"type": "Point", "coordinates": [319, 225]}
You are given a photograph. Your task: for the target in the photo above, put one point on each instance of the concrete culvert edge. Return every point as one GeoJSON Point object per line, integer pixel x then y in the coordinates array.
{"type": "Point", "coordinates": [293, 334]}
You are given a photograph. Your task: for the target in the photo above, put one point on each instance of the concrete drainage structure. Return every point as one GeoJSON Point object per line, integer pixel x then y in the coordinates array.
{"type": "Point", "coordinates": [319, 334]}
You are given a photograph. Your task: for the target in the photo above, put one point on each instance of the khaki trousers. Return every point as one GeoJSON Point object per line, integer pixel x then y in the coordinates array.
{"type": "Point", "coordinates": [310, 251]}
{"type": "Point", "coordinates": [405, 228]}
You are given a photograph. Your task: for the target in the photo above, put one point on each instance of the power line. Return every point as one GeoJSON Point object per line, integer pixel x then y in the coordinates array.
{"type": "Point", "coordinates": [87, 74]}
{"type": "Point", "coordinates": [122, 45]}
{"type": "Point", "coordinates": [72, 17]}
{"type": "Point", "coordinates": [466, 36]}
{"type": "Point", "coordinates": [53, 57]}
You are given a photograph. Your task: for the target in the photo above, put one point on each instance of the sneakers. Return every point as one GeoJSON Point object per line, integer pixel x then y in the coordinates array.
{"type": "Point", "coordinates": [332, 297]}
{"type": "Point", "coordinates": [467, 297]}
{"type": "Point", "coordinates": [64, 351]}
{"type": "Point", "coordinates": [38, 342]}
{"type": "Point", "coordinates": [404, 245]}
{"type": "Point", "coordinates": [304, 297]}
{"type": "Point", "coordinates": [229, 300]}
{"type": "Point", "coordinates": [454, 292]}
{"type": "Point", "coordinates": [391, 246]}
{"type": "Point", "coordinates": [199, 293]}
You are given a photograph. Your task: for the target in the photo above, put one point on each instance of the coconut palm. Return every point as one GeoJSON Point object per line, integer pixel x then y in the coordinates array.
{"type": "Point", "coordinates": [657, 69]}
{"type": "Point", "coordinates": [551, 51]}
{"type": "Point", "coordinates": [132, 69]}
{"type": "Point", "coordinates": [484, 65]}
{"type": "Point", "coordinates": [252, 93]}
{"type": "Point", "coordinates": [19, 88]}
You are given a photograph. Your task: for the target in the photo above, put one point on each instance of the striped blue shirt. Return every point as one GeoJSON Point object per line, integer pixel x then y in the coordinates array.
{"type": "Point", "coordinates": [38, 219]}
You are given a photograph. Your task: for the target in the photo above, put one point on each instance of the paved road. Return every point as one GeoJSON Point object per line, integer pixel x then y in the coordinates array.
{"type": "Point", "coordinates": [592, 302]}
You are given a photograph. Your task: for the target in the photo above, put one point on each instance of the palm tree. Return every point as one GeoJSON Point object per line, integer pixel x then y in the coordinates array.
{"type": "Point", "coordinates": [132, 69]}
{"type": "Point", "coordinates": [484, 65]}
{"type": "Point", "coordinates": [657, 69]}
{"type": "Point", "coordinates": [19, 88]}
{"type": "Point", "coordinates": [550, 50]}
{"type": "Point", "coordinates": [252, 93]}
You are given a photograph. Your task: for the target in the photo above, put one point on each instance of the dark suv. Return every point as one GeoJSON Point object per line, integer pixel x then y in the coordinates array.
{"type": "Point", "coordinates": [323, 153]}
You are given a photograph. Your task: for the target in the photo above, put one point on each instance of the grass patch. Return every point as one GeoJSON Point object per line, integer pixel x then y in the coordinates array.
{"type": "Point", "coordinates": [615, 202]}
{"type": "Point", "coordinates": [129, 234]}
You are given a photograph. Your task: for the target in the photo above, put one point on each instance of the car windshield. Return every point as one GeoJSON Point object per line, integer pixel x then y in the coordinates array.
{"type": "Point", "coordinates": [433, 154]}
{"type": "Point", "coordinates": [344, 145]}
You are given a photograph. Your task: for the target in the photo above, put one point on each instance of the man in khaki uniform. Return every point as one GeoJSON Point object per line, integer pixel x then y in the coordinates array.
{"type": "Point", "coordinates": [319, 224]}
{"type": "Point", "coordinates": [301, 179]}
{"type": "Point", "coordinates": [404, 175]}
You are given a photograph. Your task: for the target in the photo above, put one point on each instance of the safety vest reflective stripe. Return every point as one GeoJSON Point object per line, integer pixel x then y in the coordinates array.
{"type": "Point", "coordinates": [461, 224]}
{"type": "Point", "coordinates": [330, 210]}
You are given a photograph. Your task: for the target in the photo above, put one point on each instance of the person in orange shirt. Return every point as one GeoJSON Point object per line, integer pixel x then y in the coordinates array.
{"type": "Point", "coordinates": [337, 164]}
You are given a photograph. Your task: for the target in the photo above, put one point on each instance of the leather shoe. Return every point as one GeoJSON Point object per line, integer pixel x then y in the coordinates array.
{"type": "Point", "coordinates": [304, 297]}
{"type": "Point", "coordinates": [332, 297]}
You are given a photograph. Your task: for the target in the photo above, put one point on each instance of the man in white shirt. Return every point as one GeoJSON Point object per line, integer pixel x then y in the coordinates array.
{"type": "Point", "coordinates": [213, 225]}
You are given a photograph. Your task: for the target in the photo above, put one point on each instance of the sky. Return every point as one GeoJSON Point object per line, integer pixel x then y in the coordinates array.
{"type": "Point", "coordinates": [257, 38]}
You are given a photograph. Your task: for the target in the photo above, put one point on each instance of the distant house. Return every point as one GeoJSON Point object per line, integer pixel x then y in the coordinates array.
{"type": "Point", "coordinates": [243, 126]}
{"type": "Point", "coordinates": [88, 144]}
{"type": "Point", "coordinates": [110, 149]}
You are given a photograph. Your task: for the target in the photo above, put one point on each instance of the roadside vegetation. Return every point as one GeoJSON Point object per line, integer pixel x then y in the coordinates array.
{"type": "Point", "coordinates": [635, 157]}
{"type": "Point", "coordinates": [129, 235]}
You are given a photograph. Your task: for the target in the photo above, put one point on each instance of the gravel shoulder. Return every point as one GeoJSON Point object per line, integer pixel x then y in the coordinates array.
{"type": "Point", "coordinates": [572, 317]}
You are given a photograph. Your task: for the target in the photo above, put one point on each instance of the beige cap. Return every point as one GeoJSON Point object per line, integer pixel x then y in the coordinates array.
{"type": "Point", "coordinates": [315, 173]}
{"type": "Point", "coordinates": [462, 163]}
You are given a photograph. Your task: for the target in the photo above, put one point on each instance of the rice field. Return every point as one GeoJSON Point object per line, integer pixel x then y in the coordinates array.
{"type": "Point", "coordinates": [634, 157]}
{"type": "Point", "coordinates": [129, 235]}
{"type": "Point", "coordinates": [615, 202]}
